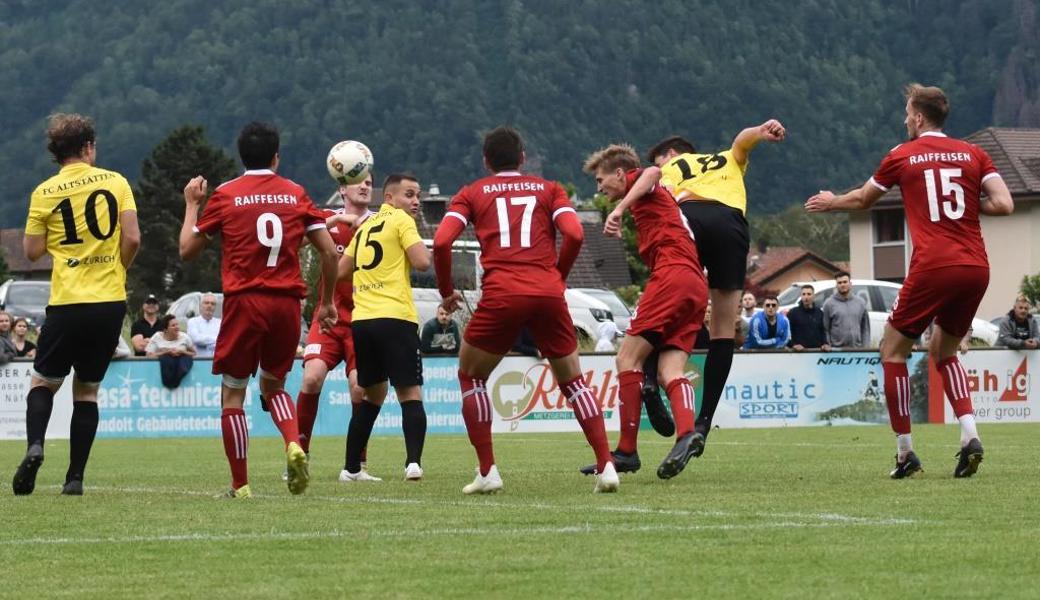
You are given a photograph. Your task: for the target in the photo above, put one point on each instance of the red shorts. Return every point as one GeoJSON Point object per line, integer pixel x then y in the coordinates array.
{"type": "Point", "coordinates": [671, 309]}
{"type": "Point", "coordinates": [332, 347]}
{"type": "Point", "coordinates": [257, 329]}
{"type": "Point", "coordinates": [499, 319]}
{"type": "Point", "coordinates": [950, 295]}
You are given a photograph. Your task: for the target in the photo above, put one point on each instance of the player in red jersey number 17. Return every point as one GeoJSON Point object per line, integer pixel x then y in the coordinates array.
{"type": "Point", "coordinates": [515, 217]}
{"type": "Point", "coordinates": [262, 218]}
{"type": "Point", "coordinates": [941, 180]}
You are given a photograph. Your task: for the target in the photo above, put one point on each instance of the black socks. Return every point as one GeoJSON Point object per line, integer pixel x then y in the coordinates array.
{"type": "Point", "coordinates": [81, 437]}
{"type": "Point", "coordinates": [38, 405]}
{"type": "Point", "coordinates": [413, 423]}
{"type": "Point", "coordinates": [362, 421]}
{"type": "Point", "coordinates": [716, 371]}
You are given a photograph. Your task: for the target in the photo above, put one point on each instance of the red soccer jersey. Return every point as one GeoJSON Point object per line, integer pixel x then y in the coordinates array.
{"type": "Point", "coordinates": [513, 217]}
{"type": "Point", "coordinates": [262, 218]}
{"type": "Point", "coordinates": [941, 180]}
{"type": "Point", "coordinates": [342, 235]}
{"type": "Point", "coordinates": [665, 238]}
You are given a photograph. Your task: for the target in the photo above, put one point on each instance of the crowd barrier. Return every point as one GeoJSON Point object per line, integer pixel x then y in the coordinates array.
{"type": "Point", "coordinates": [765, 389]}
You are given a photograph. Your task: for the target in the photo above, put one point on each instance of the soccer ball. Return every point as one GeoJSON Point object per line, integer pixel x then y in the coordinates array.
{"type": "Point", "coordinates": [349, 162]}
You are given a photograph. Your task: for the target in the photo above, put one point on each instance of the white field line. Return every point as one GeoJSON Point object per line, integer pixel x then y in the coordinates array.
{"type": "Point", "coordinates": [609, 529]}
{"type": "Point", "coordinates": [670, 442]}
{"type": "Point", "coordinates": [487, 503]}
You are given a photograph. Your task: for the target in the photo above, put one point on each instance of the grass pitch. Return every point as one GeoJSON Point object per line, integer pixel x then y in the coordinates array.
{"type": "Point", "coordinates": [783, 513]}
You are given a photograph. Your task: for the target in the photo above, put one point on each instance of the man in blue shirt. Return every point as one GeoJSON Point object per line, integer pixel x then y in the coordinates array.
{"type": "Point", "coordinates": [768, 329]}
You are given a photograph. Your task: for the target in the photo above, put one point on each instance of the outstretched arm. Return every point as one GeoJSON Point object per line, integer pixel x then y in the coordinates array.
{"type": "Point", "coordinates": [770, 131]}
{"type": "Point", "coordinates": [859, 199]}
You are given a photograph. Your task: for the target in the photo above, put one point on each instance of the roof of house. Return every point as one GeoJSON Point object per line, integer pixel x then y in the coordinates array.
{"type": "Point", "coordinates": [775, 261]}
{"type": "Point", "coordinates": [11, 246]}
{"type": "Point", "coordinates": [1016, 155]}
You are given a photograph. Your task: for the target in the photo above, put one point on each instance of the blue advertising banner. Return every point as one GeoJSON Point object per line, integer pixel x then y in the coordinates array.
{"type": "Point", "coordinates": [134, 403]}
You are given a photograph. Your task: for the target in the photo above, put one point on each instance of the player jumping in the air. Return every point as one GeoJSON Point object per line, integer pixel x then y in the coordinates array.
{"type": "Point", "coordinates": [710, 191]}
{"type": "Point", "coordinates": [516, 217]}
{"type": "Point", "coordinates": [670, 312]}
{"type": "Point", "coordinates": [262, 219]}
{"type": "Point", "coordinates": [941, 180]}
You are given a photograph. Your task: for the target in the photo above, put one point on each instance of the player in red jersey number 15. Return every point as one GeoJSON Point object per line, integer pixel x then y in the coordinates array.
{"type": "Point", "coordinates": [942, 180]}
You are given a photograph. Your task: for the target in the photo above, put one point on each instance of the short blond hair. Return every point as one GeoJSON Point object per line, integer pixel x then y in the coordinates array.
{"type": "Point", "coordinates": [930, 101]}
{"type": "Point", "coordinates": [614, 156]}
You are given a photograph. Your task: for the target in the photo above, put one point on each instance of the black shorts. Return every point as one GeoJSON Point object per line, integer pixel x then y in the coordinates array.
{"type": "Point", "coordinates": [722, 237]}
{"type": "Point", "coordinates": [81, 337]}
{"type": "Point", "coordinates": [387, 349]}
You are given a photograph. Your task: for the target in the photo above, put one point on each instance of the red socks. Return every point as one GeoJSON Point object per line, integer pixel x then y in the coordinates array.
{"type": "Point", "coordinates": [680, 396]}
{"type": "Point", "coordinates": [236, 444]}
{"type": "Point", "coordinates": [631, 392]}
{"type": "Point", "coordinates": [284, 415]}
{"type": "Point", "coordinates": [897, 396]}
{"type": "Point", "coordinates": [476, 412]}
{"type": "Point", "coordinates": [586, 410]}
{"type": "Point", "coordinates": [955, 384]}
{"type": "Point", "coordinates": [307, 411]}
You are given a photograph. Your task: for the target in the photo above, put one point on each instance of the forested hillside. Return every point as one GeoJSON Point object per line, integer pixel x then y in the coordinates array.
{"type": "Point", "coordinates": [419, 80]}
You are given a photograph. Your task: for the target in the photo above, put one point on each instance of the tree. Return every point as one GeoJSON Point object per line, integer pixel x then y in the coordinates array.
{"type": "Point", "coordinates": [158, 268]}
{"type": "Point", "coordinates": [1030, 288]}
{"type": "Point", "coordinates": [826, 235]}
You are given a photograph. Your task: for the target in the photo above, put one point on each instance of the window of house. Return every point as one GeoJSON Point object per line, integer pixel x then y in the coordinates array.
{"type": "Point", "coordinates": [889, 248]}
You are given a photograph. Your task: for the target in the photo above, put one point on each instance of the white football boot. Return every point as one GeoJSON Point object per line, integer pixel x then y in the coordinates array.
{"type": "Point", "coordinates": [413, 472]}
{"type": "Point", "coordinates": [607, 481]}
{"type": "Point", "coordinates": [346, 476]}
{"type": "Point", "coordinates": [486, 484]}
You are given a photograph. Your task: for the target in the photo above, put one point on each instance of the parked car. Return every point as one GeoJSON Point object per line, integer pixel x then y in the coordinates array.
{"type": "Point", "coordinates": [618, 308]}
{"type": "Point", "coordinates": [879, 296]}
{"type": "Point", "coordinates": [586, 311]}
{"type": "Point", "coordinates": [187, 306]}
{"type": "Point", "coordinates": [26, 299]}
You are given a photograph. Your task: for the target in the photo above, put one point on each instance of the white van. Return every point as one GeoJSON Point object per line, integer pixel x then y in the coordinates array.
{"type": "Point", "coordinates": [586, 311]}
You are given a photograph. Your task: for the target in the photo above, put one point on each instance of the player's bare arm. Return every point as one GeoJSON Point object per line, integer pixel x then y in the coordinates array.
{"type": "Point", "coordinates": [859, 199]}
{"type": "Point", "coordinates": [419, 256]}
{"type": "Point", "coordinates": [34, 246]}
{"type": "Point", "coordinates": [191, 243]}
{"type": "Point", "coordinates": [770, 131]}
{"type": "Point", "coordinates": [345, 268]}
{"type": "Point", "coordinates": [322, 242]}
{"type": "Point", "coordinates": [997, 202]}
{"type": "Point", "coordinates": [642, 186]}
{"type": "Point", "coordinates": [447, 232]}
{"type": "Point", "coordinates": [129, 237]}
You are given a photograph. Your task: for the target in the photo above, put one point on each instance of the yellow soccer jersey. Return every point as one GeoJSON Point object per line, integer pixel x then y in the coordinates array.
{"type": "Point", "coordinates": [715, 177]}
{"type": "Point", "coordinates": [382, 273]}
{"type": "Point", "coordinates": [78, 211]}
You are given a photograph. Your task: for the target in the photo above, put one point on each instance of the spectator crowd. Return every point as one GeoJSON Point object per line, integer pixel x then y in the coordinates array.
{"type": "Point", "coordinates": [841, 323]}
